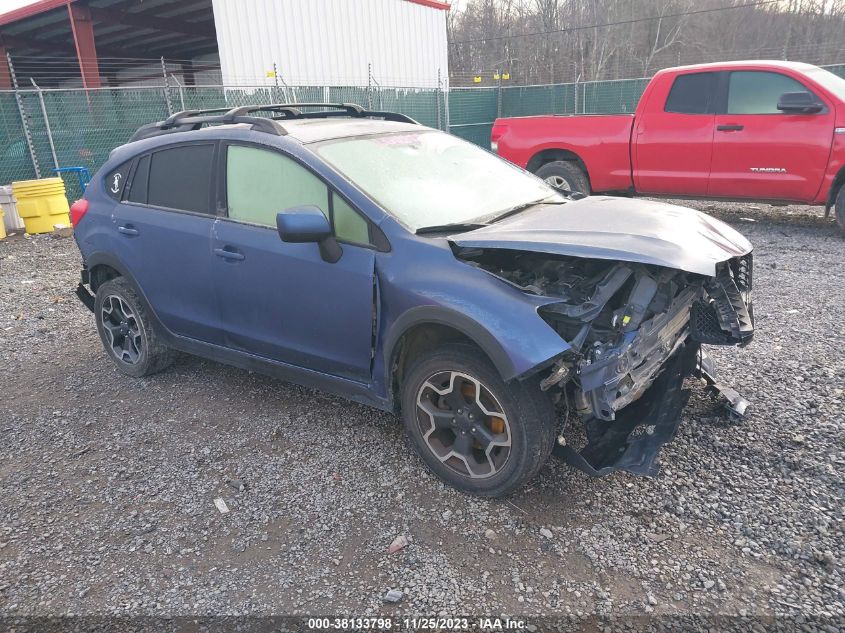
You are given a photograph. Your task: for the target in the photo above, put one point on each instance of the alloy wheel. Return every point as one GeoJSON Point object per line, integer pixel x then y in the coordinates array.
{"type": "Point", "coordinates": [122, 329]}
{"type": "Point", "coordinates": [559, 182]}
{"type": "Point", "coordinates": [463, 424]}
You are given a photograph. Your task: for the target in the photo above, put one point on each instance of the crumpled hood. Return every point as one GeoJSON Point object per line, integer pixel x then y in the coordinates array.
{"type": "Point", "coordinates": [604, 227]}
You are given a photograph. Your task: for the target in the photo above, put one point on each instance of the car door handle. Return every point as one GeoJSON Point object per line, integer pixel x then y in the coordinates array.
{"type": "Point", "coordinates": [730, 128]}
{"type": "Point", "coordinates": [127, 230]}
{"type": "Point", "coordinates": [227, 254]}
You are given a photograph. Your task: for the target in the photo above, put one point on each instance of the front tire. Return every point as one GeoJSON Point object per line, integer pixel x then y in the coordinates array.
{"type": "Point", "coordinates": [840, 208]}
{"type": "Point", "coordinates": [474, 431]}
{"type": "Point", "coordinates": [565, 174]}
{"type": "Point", "coordinates": [129, 336]}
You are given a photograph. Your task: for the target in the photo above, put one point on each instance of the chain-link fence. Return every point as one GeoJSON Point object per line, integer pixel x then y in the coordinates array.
{"type": "Point", "coordinates": [46, 129]}
{"type": "Point", "coordinates": [43, 130]}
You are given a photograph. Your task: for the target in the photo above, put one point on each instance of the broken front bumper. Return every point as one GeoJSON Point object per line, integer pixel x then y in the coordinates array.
{"type": "Point", "coordinates": [632, 395]}
{"type": "Point", "coordinates": [615, 446]}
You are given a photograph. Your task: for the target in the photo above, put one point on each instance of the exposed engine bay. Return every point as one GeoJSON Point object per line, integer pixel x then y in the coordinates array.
{"type": "Point", "coordinates": [635, 332]}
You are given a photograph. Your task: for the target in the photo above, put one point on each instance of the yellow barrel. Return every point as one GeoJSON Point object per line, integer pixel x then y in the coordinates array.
{"type": "Point", "coordinates": [41, 203]}
{"type": "Point", "coordinates": [2, 226]}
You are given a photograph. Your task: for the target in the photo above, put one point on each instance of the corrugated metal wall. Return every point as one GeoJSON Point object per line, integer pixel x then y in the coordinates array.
{"type": "Point", "coordinates": [331, 42]}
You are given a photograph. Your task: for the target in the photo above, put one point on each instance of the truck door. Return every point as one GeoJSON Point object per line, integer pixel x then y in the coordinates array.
{"type": "Point", "coordinates": [673, 136]}
{"type": "Point", "coordinates": [761, 152]}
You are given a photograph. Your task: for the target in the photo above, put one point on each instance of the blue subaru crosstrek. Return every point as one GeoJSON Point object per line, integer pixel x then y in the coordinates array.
{"type": "Point", "coordinates": [401, 267]}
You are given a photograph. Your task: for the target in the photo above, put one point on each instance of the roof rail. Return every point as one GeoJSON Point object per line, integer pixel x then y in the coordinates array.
{"type": "Point", "coordinates": [194, 119]}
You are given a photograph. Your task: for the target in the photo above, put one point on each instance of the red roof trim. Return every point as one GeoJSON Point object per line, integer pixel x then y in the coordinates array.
{"type": "Point", "coordinates": [28, 11]}
{"type": "Point", "coordinates": [434, 4]}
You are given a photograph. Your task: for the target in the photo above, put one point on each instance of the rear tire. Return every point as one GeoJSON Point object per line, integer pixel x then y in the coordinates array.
{"type": "Point", "coordinates": [448, 396]}
{"type": "Point", "coordinates": [565, 174]}
{"type": "Point", "coordinates": [128, 334]}
{"type": "Point", "coordinates": [840, 208]}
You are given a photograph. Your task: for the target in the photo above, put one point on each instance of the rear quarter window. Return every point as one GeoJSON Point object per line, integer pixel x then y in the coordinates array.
{"type": "Point", "coordinates": [115, 180]}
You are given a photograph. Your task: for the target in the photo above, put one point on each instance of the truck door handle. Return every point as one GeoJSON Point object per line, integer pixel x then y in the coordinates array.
{"type": "Point", "coordinates": [127, 230]}
{"type": "Point", "coordinates": [229, 254]}
{"type": "Point", "coordinates": [730, 128]}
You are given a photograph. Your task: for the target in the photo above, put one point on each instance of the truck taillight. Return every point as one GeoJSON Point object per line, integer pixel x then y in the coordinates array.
{"type": "Point", "coordinates": [498, 132]}
{"type": "Point", "coordinates": [77, 211]}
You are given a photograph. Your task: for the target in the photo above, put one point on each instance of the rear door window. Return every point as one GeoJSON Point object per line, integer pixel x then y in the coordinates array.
{"type": "Point", "coordinates": [137, 190]}
{"type": "Point", "coordinates": [180, 178]}
{"type": "Point", "coordinates": [693, 93]}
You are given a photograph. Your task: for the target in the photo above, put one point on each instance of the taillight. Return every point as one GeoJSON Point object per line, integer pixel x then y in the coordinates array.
{"type": "Point", "coordinates": [77, 211]}
{"type": "Point", "coordinates": [498, 132]}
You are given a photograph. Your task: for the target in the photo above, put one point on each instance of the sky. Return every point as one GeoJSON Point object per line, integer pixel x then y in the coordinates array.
{"type": "Point", "coordinates": [8, 5]}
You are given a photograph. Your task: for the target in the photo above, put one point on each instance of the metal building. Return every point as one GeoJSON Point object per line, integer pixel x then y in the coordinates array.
{"type": "Point", "coordinates": [333, 42]}
{"type": "Point", "coordinates": [99, 43]}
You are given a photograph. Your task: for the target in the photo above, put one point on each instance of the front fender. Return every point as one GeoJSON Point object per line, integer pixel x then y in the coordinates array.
{"type": "Point", "coordinates": [425, 315]}
{"type": "Point", "coordinates": [501, 319]}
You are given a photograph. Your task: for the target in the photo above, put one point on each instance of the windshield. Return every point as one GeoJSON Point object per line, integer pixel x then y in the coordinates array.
{"type": "Point", "coordinates": [429, 178]}
{"type": "Point", "coordinates": [828, 81]}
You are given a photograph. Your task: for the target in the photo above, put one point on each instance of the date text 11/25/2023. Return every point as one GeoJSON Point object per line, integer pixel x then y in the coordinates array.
{"type": "Point", "coordinates": [418, 623]}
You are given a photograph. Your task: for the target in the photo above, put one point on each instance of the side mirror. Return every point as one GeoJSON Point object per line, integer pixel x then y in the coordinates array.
{"type": "Point", "coordinates": [308, 224]}
{"type": "Point", "coordinates": [799, 103]}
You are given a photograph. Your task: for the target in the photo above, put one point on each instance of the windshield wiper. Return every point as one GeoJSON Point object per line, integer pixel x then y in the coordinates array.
{"type": "Point", "coordinates": [484, 220]}
{"type": "Point", "coordinates": [522, 207]}
{"type": "Point", "coordinates": [455, 227]}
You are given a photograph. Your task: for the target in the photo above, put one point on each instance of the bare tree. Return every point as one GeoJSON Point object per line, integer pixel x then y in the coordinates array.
{"type": "Point", "coordinates": [543, 41]}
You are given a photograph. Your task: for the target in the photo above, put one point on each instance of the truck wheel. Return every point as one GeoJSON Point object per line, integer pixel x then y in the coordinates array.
{"type": "Point", "coordinates": [473, 431]}
{"type": "Point", "coordinates": [128, 334]}
{"type": "Point", "coordinates": [565, 174]}
{"type": "Point", "coordinates": [840, 208]}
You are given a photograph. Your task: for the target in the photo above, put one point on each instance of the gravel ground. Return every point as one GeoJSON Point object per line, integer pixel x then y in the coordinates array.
{"type": "Point", "coordinates": [107, 483]}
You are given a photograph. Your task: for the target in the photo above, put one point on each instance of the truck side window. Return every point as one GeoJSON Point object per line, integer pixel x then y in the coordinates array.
{"type": "Point", "coordinates": [756, 92]}
{"type": "Point", "coordinates": [692, 94]}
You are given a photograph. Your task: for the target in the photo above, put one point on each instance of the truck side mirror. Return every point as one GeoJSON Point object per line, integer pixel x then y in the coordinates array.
{"type": "Point", "coordinates": [799, 103]}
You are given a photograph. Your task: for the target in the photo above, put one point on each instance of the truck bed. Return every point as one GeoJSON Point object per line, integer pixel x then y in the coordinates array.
{"type": "Point", "coordinates": [602, 141]}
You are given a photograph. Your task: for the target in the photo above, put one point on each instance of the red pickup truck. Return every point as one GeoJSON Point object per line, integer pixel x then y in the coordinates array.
{"type": "Point", "coordinates": [760, 130]}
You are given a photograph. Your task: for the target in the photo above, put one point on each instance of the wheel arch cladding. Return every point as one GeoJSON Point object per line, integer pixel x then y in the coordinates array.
{"type": "Point", "coordinates": [100, 274]}
{"type": "Point", "coordinates": [415, 339]}
{"type": "Point", "coordinates": [108, 266]}
{"type": "Point", "coordinates": [838, 184]}
{"type": "Point", "coordinates": [437, 325]}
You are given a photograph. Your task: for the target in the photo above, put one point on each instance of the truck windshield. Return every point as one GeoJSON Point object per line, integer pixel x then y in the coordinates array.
{"type": "Point", "coordinates": [429, 178]}
{"type": "Point", "coordinates": [829, 81]}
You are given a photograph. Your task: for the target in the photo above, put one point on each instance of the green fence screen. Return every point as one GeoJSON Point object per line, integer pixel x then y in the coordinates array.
{"type": "Point", "coordinates": [86, 125]}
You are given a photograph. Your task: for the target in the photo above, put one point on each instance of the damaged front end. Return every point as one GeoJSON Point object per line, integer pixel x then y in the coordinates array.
{"type": "Point", "coordinates": [635, 332]}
